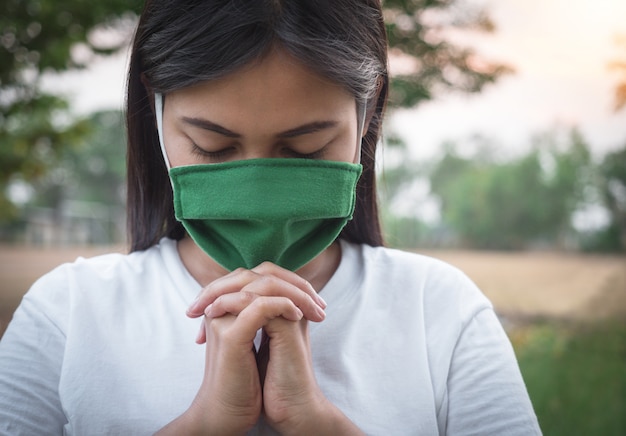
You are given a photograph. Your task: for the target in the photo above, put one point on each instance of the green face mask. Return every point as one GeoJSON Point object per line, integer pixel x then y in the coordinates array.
{"type": "Point", "coordinates": [286, 211]}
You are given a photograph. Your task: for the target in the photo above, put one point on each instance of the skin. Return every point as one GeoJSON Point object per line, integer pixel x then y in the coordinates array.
{"type": "Point", "coordinates": [275, 107]}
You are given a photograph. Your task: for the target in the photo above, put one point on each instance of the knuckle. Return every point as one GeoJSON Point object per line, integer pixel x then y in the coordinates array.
{"type": "Point", "coordinates": [214, 326]}
{"type": "Point", "coordinates": [247, 297]}
{"type": "Point", "coordinates": [262, 285]}
{"type": "Point", "coordinates": [307, 285]}
{"type": "Point", "coordinates": [249, 275]}
{"type": "Point", "coordinates": [267, 281]}
{"type": "Point", "coordinates": [268, 305]}
{"type": "Point", "coordinates": [265, 266]}
{"type": "Point", "coordinates": [219, 329]}
{"type": "Point", "coordinates": [261, 304]}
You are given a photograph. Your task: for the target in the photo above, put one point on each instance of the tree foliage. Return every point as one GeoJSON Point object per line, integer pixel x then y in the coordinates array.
{"type": "Point", "coordinates": [87, 183]}
{"type": "Point", "coordinates": [613, 189]}
{"type": "Point", "coordinates": [420, 32]}
{"type": "Point", "coordinates": [91, 171]}
{"type": "Point", "coordinates": [507, 205]}
{"type": "Point", "coordinates": [38, 37]}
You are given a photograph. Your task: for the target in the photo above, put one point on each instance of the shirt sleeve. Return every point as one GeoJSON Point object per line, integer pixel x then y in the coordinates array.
{"type": "Point", "coordinates": [31, 355]}
{"type": "Point", "coordinates": [486, 394]}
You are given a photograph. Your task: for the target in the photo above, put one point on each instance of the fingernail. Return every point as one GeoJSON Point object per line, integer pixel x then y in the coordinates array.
{"type": "Point", "coordinates": [324, 305]}
{"type": "Point", "coordinates": [207, 311]}
{"type": "Point", "coordinates": [200, 331]}
{"type": "Point", "coordinates": [192, 306]}
{"type": "Point", "coordinates": [320, 312]}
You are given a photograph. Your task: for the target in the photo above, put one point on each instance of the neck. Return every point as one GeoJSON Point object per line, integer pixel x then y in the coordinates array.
{"type": "Point", "coordinates": [205, 270]}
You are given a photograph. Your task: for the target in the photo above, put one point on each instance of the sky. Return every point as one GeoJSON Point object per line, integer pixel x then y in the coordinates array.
{"type": "Point", "coordinates": [560, 50]}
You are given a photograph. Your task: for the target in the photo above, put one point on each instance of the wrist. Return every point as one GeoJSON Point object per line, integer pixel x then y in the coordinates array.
{"type": "Point", "coordinates": [206, 418]}
{"type": "Point", "coordinates": [323, 418]}
{"type": "Point", "coordinates": [189, 424]}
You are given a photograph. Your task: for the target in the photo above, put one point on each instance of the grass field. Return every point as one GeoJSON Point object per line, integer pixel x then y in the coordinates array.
{"type": "Point", "coordinates": [565, 315]}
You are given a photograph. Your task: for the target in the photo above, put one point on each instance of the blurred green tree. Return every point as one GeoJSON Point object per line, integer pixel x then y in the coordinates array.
{"type": "Point", "coordinates": [511, 204]}
{"type": "Point", "coordinates": [38, 37]}
{"type": "Point", "coordinates": [90, 171]}
{"type": "Point", "coordinates": [613, 176]}
{"type": "Point", "coordinates": [613, 189]}
{"type": "Point", "coordinates": [89, 179]}
{"type": "Point", "coordinates": [424, 39]}
{"type": "Point", "coordinates": [422, 34]}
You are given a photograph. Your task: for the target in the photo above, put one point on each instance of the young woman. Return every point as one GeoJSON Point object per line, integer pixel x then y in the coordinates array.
{"type": "Point", "coordinates": [252, 213]}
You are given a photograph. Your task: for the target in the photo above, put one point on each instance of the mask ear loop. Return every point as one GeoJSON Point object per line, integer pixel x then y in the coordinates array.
{"type": "Point", "coordinates": [361, 114]}
{"type": "Point", "coordinates": [158, 110]}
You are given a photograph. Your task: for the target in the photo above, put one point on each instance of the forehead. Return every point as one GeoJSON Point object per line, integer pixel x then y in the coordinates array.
{"type": "Point", "coordinates": [277, 87]}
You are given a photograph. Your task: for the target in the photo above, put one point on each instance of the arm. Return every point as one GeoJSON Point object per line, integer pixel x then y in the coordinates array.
{"type": "Point", "coordinates": [486, 392]}
{"type": "Point", "coordinates": [31, 354]}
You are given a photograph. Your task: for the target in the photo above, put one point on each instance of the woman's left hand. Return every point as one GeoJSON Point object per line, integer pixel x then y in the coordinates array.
{"type": "Point", "coordinates": [293, 403]}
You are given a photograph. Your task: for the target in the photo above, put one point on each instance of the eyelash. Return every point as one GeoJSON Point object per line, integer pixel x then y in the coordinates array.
{"type": "Point", "coordinates": [199, 151]}
{"type": "Point", "coordinates": [315, 155]}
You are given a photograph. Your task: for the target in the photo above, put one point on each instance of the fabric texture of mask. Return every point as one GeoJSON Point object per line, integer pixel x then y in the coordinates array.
{"type": "Point", "coordinates": [286, 211]}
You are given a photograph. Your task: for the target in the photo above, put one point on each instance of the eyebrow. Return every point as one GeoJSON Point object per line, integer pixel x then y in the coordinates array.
{"type": "Point", "coordinates": [304, 129]}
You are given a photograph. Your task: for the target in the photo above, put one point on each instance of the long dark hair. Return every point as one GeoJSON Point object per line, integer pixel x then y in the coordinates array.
{"type": "Point", "coordinates": [180, 43]}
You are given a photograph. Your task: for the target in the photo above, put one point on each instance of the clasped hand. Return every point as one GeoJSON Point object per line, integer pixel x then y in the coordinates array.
{"type": "Point", "coordinates": [238, 384]}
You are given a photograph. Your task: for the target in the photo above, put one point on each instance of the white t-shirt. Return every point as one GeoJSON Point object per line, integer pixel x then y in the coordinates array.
{"type": "Point", "coordinates": [409, 346]}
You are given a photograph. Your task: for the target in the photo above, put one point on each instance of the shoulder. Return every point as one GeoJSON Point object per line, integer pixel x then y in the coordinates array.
{"type": "Point", "coordinates": [422, 293]}
{"type": "Point", "coordinates": [440, 286]}
{"type": "Point", "coordinates": [415, 264]}
{"type": "Point", "coordinates": [107, 267]}
{"type": "Point", "coordinates": [98, 279]}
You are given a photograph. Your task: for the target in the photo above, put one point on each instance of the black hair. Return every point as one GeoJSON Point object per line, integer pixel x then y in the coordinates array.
{"type": "Point", "coordinates": [183, 42]}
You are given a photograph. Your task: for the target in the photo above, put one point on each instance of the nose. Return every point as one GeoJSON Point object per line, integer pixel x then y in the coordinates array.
{"type": "Point", "coordinates": [261, 150]}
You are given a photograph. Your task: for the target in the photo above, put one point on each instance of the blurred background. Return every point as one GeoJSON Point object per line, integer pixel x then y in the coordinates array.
{"type": "Point", "coordinates": [504, 154]}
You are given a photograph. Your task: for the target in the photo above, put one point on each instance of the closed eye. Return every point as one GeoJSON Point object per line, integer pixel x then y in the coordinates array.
{"type": "Point", "coordinates": [213, 155]}
{"type": "Point", "coordinates": [226, 152]}
{"type": "Point", "coordinates": [318, 154]}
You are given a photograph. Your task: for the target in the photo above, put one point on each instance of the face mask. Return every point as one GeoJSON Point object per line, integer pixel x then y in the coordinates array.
{"type": "Point", "coordinates": [242, 213]}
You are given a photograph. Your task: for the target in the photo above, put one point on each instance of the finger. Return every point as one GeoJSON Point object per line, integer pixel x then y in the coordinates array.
{"type": "Point", "coordinates": [290, 277]}
{"type": "Point", "coordinates": [266, 279]}
{"type": "Point", "coordinates": [269, 285]}
{"type": "Point", "coordinates": [234, 304]}
{"type": "Point", "coordinates": [201, 336]}
{"type": "Point", "coordinates": [231, 282]}
{"type": "Point", "coordinates": [259, 313]}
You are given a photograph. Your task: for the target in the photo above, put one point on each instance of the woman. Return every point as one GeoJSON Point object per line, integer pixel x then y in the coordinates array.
{"type": "Point", "coordinates": [267, 115]}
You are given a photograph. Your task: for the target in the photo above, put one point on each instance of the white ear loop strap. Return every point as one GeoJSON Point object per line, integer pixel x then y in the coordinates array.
{"type": "Point", "coordinates": [361, 115]}
{"type": "Point", "coordinates": [158, 110]}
